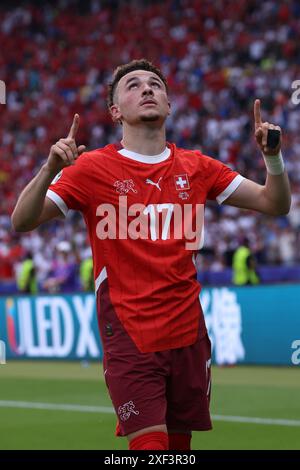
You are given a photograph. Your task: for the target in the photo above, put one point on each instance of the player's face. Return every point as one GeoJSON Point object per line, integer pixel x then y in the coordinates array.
{"type": "Point", "coordinates": [140, 96]}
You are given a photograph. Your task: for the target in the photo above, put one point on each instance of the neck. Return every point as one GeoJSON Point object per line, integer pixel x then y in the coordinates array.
{"type": "Point", "coordinates": [144, 139]}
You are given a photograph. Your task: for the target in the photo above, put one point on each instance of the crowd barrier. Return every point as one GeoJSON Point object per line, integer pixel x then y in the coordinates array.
{"type": "Point", "coordinates": [268, 275]}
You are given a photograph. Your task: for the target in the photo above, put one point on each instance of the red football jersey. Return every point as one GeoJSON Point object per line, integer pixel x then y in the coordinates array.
{"type": "Point", "coordinates": [142, 215]}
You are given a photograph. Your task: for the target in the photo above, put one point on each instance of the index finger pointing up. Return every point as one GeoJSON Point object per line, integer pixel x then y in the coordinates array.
{"type": "Point", "coordinates": [257, 116]}
{"type": "Point", "coordinates": [74, 127]}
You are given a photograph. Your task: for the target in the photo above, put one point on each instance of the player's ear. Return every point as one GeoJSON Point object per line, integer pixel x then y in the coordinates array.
{"type": "Point", "coordinates": [115, 113]}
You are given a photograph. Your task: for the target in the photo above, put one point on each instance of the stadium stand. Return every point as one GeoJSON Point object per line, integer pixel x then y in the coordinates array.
{"type": "Point", "coordinates": [56, 60]}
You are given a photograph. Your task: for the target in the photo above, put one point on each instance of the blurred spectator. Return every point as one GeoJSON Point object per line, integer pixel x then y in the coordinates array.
{"type": "Point", "coordinates": [244, 266]}
{"type": "Point", "coordinates": [11, 252]}
{"type": "Point", "coordinates": [86, 272]}
{"type": "Point", "coordinates": [63, 275]}
{"type": "Point", "coordinates": [26, 280]}
{"type": "Point", "coordinates": [287, 245]}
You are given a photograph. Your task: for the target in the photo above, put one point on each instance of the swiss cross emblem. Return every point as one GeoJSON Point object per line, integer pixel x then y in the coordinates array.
{"type": "Point", "coordinates": [181, 182]}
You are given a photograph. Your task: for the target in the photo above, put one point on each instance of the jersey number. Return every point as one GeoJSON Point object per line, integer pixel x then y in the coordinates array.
{"type": "Point", "coordinates": [153, 211]}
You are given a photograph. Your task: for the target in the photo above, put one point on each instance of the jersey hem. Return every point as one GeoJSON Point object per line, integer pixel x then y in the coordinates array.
{"type": "Point", "coordinates": [102, 276]}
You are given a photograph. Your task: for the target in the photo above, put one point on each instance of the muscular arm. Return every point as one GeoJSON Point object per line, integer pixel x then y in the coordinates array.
{"type": "Point", "coordinates": [33, 207]}
{"type": "Point", "coordinates": [274, 197]}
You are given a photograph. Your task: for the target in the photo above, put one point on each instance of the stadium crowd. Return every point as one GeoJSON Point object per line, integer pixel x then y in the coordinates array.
{"type": "Point", "coordinates": [56, 59]}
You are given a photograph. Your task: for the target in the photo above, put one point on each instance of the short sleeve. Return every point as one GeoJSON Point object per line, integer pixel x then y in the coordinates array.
{"type": "Point", "coordinates": [222, 181]}
{"type": "Point", "coordinates": [69, 188]}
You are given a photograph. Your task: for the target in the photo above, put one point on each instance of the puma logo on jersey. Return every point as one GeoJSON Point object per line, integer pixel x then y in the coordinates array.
{"type": "Point", "coordinates": [148, 181]}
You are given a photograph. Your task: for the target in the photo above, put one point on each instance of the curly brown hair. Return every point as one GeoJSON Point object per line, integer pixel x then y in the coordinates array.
{"type": "Point", "coordinates": [119, 72]}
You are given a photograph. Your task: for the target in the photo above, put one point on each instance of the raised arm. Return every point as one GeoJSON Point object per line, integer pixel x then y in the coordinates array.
{"type": "Point", "coordinates": [274, 197]}
{"type": "Point", "coordinates": [33, 208]}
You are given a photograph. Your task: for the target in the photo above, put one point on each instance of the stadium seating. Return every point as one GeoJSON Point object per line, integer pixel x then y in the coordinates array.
{"type": "Point", "coordinates": [57, 60]}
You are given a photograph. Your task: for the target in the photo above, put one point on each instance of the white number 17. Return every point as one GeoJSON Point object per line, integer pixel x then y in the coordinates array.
{"type": "Point", "coordinates": [150, 209]}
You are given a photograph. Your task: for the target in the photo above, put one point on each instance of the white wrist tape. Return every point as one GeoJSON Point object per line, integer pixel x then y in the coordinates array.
{"type": "Point", "coordinates": [274, 164]}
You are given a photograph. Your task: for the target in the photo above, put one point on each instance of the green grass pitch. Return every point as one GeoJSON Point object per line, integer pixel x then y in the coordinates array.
{"type": "Point", "coordinates": [60, 405]}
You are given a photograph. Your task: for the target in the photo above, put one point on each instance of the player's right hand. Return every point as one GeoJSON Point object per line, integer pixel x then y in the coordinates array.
{"type": "Point", "coordinates": [65, 152]}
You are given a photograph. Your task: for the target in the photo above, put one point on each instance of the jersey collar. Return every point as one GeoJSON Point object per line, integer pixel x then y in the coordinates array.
{"type": "Point", "coordinates": [138, 157]}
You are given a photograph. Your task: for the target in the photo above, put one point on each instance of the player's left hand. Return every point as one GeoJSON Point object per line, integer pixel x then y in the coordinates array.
{"type": "Point", "coordinates": [261, 132]}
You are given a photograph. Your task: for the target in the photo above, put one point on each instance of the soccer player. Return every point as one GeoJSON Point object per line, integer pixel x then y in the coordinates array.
{"type": "Point", "coordinates": [134, 195]}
